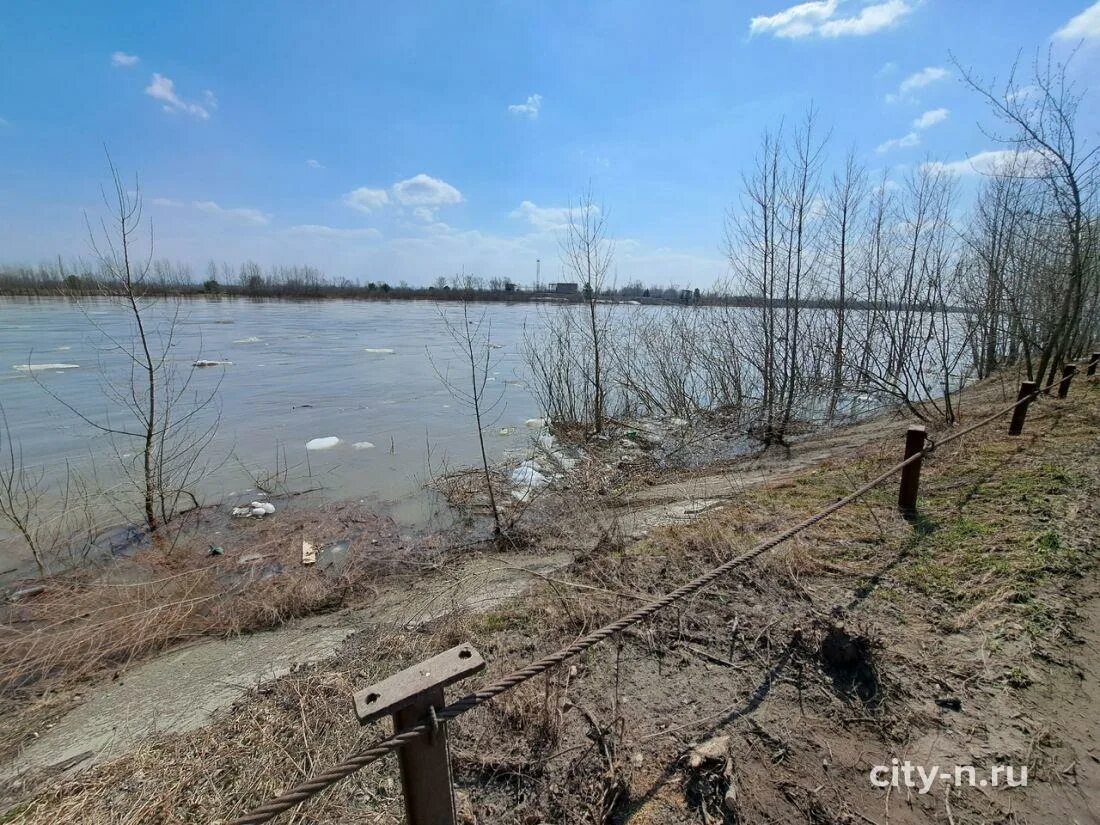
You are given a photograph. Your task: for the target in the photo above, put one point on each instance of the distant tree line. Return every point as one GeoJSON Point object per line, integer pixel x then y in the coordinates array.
{"type": "Point", "coordinates": [166, 278]}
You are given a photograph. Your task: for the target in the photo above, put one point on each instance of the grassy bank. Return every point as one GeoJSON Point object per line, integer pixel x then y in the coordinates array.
{"type": "Point", "coordinates": [865, 638]}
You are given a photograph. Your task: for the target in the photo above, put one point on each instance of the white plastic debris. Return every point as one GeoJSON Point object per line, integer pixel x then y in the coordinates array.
{"type": "Point", "coordinates": [309, 552]}
{"type": "Point", "coordinates": [44, 367]}
{"type": "Point", "coordinates": [525, 476]}
{"type": "Point", "coordinates": [266, 506]}
{"type": "Point", "coordinates": [363, 445]}
{"type": "Point", "coordinates": [535, 423]}
{"type": "Point", "coordinates": [325, 443]}
{"type": "Point", "coordinates": [242, 511]}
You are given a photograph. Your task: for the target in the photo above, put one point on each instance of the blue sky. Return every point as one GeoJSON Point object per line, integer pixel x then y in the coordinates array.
{"type": "Point", "coordinates": [402, 141]}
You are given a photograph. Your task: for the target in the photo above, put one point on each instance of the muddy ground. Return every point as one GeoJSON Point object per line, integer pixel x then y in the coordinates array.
{"type": "Point", "coordinates": [964, 636]}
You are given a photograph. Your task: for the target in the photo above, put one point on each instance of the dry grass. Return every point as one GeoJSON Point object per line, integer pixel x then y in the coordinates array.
{"type": "Point", "coordinates": [607, 736]}
{"type": "Point", "coordinates": [99, 621]}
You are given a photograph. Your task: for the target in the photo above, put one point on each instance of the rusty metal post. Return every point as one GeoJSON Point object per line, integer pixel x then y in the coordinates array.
{"type": "Point", "coordinates": [1094, 359]}
{"type": "Point", "coordinates": [410, 697]}
{"type": "Point", "coordinates": [1068, 371]}
{"type": "Point", "coordinates": [910, 473]}
{"type": "Point", "coordinates": [1020, 413]}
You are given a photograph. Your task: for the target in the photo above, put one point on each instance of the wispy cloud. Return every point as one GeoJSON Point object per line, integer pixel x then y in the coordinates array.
{"type": "Point", "coordinates": [821, 18]}
{"type": "Point", "coordinates": [122, 60]}
{"type": "Point", "coordinates": [366, 199]}
{"type": "Point", "coordinates": [321, 231]}
{"type": "Point", "coordinates": [918, 80]}
{"type": "Point", "coordinates": [314, 164]}
{"type": "Point", "coordinates": [1084, 26]}
{"type": "Point", "coordinates": [163, 89]}
{"type": "Point", "coordinates": [546, 218]}
{"type": "Point", "coordinates": [250, 216]}
{"type": "Point", "coordinates": [931, 118]}
{"type": "Point", "coordinates": [530, 109]}
{"type": "Point", "coordinates": [905, 142]}
{"type": "Point", "coordinates": [4, 123]}
{"type": "Point", "coordinates": [993, 161]}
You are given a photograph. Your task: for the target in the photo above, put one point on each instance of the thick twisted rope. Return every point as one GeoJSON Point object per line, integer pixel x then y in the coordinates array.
{"type": "Point", "coordinates": [361, 758]}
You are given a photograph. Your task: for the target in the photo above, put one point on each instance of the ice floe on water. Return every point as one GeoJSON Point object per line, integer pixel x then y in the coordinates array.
{"type": "Point", "coordinates": [44, 367]}
{"type": "Point", "coordinates": [251, 339]}
{"type": "Point", "coordinates": [535, 423]}
{"type": "Point", "coordinates": [363, 445]}
{"type": "Point", "coordinates": [379, 350]}
{"type": "Point", "coordinates": [202, 362]}
{"type": "Point", "coordinates": [325, 443]}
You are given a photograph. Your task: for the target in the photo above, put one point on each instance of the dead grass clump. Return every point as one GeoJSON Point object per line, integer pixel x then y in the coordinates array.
{"type": "Point", "coordinates": [89, 622]}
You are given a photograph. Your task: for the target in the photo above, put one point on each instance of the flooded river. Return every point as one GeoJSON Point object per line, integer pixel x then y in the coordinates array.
{"type": "Point", "coordinates": [361, 372]}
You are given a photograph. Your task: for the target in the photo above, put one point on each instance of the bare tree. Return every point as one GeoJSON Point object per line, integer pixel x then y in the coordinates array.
{"type": "Point", "coordinates": [162, 412]}
{"type": "Point", "coordinates": [472, 338]}
{"type": "Point", "coordinates": [586, 254]}
{"type": "Point", "coordinates": [1039, 118]}
{"type": "Point", "coordinates": [845, 202]}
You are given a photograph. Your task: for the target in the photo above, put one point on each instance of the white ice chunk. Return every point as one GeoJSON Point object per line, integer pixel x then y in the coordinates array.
{"type": "Point", "coordinates": [535, 423]}
{"type": "Point", "coordinates": [363, 445]}
{"type": "Point", "coordinates": [266, 506]}
{"type": "Point", "coordinates": [44, 367]}
{"type": "Point", "coordinates": [242, 511]}
{"type": "Point", "coordinates": [259, 512]}
{"type": "Point", "coordinates": [325, 443]}
{"type": "Point", "coordinates": [547, 442]}
{"type": "Point", "coordinates": [251, 339]}
{"type": "Point", "coordinates": [202, 362]}
{"type": "Point", "coordinates": [379, 350]}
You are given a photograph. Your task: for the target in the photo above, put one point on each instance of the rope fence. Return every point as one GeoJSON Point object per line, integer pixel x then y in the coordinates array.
{"type": "Point", "coordinates": [365, 756]}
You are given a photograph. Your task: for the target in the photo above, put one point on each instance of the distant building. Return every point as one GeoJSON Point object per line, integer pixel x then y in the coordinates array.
{"type": "Point", "coordinates": [565, 288]}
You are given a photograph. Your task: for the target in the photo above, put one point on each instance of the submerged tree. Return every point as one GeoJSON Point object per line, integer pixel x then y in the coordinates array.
{"type": "Point", "coordinates": [472, 338]}
{"type": "Point", "coordinates": [161, 413]}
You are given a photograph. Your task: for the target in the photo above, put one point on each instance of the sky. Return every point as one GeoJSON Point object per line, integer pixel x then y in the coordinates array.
{"type": "Point", "coordinates": [403, 141]}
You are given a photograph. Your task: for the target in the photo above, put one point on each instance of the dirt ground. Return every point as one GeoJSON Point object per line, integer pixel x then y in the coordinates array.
{"type": "Point", "coordinates": [965, 636]}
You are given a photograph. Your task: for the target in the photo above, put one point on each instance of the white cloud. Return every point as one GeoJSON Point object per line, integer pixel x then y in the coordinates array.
{"type": "Point", "coordinates": [819, 17]}
{"type": "Point", "coordinates": [320, 231]}
{"type": "Point", "coordinates": [918, 80]}
{"type": "Point", "coordinates": [314, 164]}
{"type": "Point", "coordinates": [991, 161]}
{"type": "Point", "coordinates": [250, 216]}
{"type": "Point", "coordinates": [1082, 27]}
{"type": "Point", "coordinates": [366, 199]}
{"type": "Point", "coordinates": [123, 60]}
{"type": "Point", "coordinates": [4, 123]}
{"type": "Point", "coordinates": [165, 202]}
{"type": "Point", "coordinates": [424, 190]}
{"type": "Point", "coordinates": [543, 218]}
{"type": "Point", "coordinates": [905, 142]}
{"type": "Point", "coordinates": [931, 118]}
{"type": "Point", "coordinates": [163, 89]}
{"type": "Point", "coordinates": [530, 109]}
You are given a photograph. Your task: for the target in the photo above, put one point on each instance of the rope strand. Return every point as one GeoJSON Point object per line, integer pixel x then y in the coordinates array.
{"type": "Point", "coordinates": [361, 758]}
